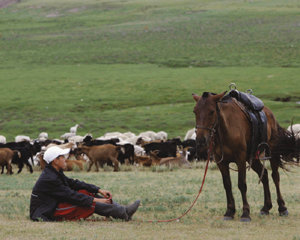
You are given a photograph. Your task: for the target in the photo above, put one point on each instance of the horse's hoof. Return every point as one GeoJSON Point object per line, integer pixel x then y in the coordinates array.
{"type": "Point", "coordinates": [284, 213]}
{"type": "Point", "coordinates": [245, 219]}
{"type": "Point", "coordinates": [263, 213]}
{"type": "Point", "coordinates": [227, 218]}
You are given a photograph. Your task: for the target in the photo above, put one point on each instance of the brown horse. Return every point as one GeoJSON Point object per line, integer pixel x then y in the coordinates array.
{"type": "Point", "coordinates": [227, 126]}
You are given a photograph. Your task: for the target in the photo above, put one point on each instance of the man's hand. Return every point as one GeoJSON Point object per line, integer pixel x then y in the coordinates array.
{"type": "Point", "coordinates": [102, 200]}
{"type": "Point", "coordinates": [105, 193]}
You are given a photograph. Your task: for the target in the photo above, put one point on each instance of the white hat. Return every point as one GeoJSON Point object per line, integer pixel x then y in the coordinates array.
{"type": "Point", "coordinates": [53, 152]}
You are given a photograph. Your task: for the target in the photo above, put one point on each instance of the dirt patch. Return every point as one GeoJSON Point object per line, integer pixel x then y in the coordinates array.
{"type": "Point", "coordinates": [6, 3]}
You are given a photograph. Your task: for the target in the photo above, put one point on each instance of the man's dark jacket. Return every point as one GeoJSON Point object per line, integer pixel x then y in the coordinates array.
{"type": "Point", "coordinates": [54, 187]}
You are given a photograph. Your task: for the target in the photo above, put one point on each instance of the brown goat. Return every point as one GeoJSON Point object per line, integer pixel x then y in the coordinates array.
{"type": "Point", "coordinates": [42, 161]}
{"type": "Point", "coordinates": [71, 164]}
{"type": "Point", "coordinates": [178, 161]}
{"type": "Point", "coordinates": [6, 156]}
{"type": "Point", "coordinates": [143, 160]}
{"type": "Point", "coordinates": [102, 154]}
{"type": "Point", "coordinates": [72, 161]}
{"type": "Point", "coordinates": [148, 161]}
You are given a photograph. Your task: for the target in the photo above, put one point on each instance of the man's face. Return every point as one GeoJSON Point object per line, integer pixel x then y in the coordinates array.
{"type": "Point", "coordinates": [61, 162]}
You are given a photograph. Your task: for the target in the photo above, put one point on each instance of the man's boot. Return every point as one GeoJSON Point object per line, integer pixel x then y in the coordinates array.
{"type": "Point", "coordinates": [131, 209]}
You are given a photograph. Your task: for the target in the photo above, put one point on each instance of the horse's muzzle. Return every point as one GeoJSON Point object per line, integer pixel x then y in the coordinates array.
{"type": "Point", "coordinates": [201, 142]}
{"type": "Point", "coordinates": [201, 148]}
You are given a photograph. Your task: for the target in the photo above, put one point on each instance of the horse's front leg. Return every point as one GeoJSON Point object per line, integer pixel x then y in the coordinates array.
{"type": "Point", "coordinates": [243, 189]}
{"type": "Point", "coordinates": [224, 169]}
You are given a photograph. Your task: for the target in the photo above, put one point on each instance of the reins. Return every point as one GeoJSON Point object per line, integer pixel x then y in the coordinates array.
{"type": "Point", "coordinates": [200, 190]}
{"type": "Point", "coordinates": [213, 131]}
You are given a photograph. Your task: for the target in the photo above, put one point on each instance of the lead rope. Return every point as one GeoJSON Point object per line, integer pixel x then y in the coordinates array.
{"type": "Point", "coordinates": [200, 190]}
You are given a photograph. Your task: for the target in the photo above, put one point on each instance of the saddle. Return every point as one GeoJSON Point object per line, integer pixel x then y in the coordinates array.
{"type": "Point", "coordinates": [253, 107]}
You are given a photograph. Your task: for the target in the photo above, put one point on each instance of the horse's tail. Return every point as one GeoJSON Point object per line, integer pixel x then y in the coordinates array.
{"type": "Point", "coordinates": [286, 148]}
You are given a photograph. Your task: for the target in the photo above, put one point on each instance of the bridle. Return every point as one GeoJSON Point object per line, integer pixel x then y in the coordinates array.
{"type": "Point", "coordinates": [213, 132]}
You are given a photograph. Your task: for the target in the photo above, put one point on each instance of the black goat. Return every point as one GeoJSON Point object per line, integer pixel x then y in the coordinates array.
{"type": "Point", "coordinates": [89, 141]}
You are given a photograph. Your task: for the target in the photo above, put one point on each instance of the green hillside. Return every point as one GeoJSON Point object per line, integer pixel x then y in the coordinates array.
{"type": "Point", "coordinates": [133, 65]}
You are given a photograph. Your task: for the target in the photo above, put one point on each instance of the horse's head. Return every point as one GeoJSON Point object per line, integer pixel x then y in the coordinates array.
{"type": "Point", "coordinates": [206, 118]}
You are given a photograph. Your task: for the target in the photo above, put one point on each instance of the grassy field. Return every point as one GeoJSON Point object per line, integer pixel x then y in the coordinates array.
{"type": "Point", "coordinates": [132, 66]}
{"type": "Point", "coordinates": [164, 193]}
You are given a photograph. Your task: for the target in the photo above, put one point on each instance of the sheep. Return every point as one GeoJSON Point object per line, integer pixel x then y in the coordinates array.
{"type": "Point", "coordinates": [2, 139]}
{"type": "Point", "coordinates": [67, 135]}
{"type": "Point", "coordinates": [74, 129]}
{"type": "Point", "coordinates": [62, 146]}
{"type": "Point", "coordinates": [190, 134]}
{"type": "Point", "coordinates": [43, 136]}
{"type": "Point", "coordinates": [76, 139]}
{"type": "Point", "coordinates": [129, 134]}
{"type": "Point", "coordinates": [138, 150]}
{"type": "Point", "coordinates": [296, 130]}
{"type": "Point", "coordinates": [111, 135]}
{"type": "Point", "coordinates": [148, 134]}
{"type": "Point", "coordinates": [21, 138]}
{"type": "Point", "coordinates": [161, 136]}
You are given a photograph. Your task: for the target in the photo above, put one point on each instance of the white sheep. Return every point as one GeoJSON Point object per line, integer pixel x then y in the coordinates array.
{"type": "Point", "coordinates": [43, 136]}
{"type": "Point", "coordinates": [148, 134]}
{"type": "Point", "coordinates": [138, 150]}
{"type": "Point", "coordinates": [67, 135]}
{"type": "Point", "coordinates": [74, 129]}
{"type": "Point", "coordinates": [132, 140]}
{"type": "Point", "coordinates": [21, 138]}
{"type": "Point", "coordinates": [161, 135]}
{"type": "Point", "coordinates": [76, 139]}
{"type": "Point", "coordinates": [110, 135]}
{"type": "Point", "coordinates": [62, 146]}
{"type": "Point", "coordinates": [2, 139]}
{"type": "Point", "coordinates": [129, 134]}
{"type": "Point", "coordinates": [190, 134]}
{"type": "Point", "coordinates": [296, 130]}
{"type": "Point", "coordinates": [144, 138]}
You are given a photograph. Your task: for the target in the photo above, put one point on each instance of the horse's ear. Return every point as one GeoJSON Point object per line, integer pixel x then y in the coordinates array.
{"type": "Point", "coordinates": [219, 96]}
{"type": "Point", "coordinates": [196, 97]}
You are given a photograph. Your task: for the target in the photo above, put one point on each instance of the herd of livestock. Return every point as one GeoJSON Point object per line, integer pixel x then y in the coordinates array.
{"type": "Point", "coordinates": [146, 149]}
{"type": "Point", "coordinates": [115, 148]}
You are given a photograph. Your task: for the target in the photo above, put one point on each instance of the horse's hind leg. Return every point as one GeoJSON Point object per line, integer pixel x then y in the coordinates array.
{"type": "Point", "coordinates": [276, 179]}
{"type": "Point", "coordinates": [243, 189]}
{"type": "Point", "coordinates": [224, 169]}
{"type": "Point", "coordinates": [258, 168]}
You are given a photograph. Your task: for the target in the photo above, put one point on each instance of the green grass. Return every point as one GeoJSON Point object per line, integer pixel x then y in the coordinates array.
{"type": "Point", "coordinates": [176, 34]}
{"type": "Point", "coordinates": [132, 66]}
{"type": "Point", "coordinates": [128, 97]}
{"type": "Point", "coordinates": [164, 194]}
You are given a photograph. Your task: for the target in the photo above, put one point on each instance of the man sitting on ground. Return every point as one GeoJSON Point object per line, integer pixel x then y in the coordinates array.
{"type": "Point", "coordinates": [56, 197]}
